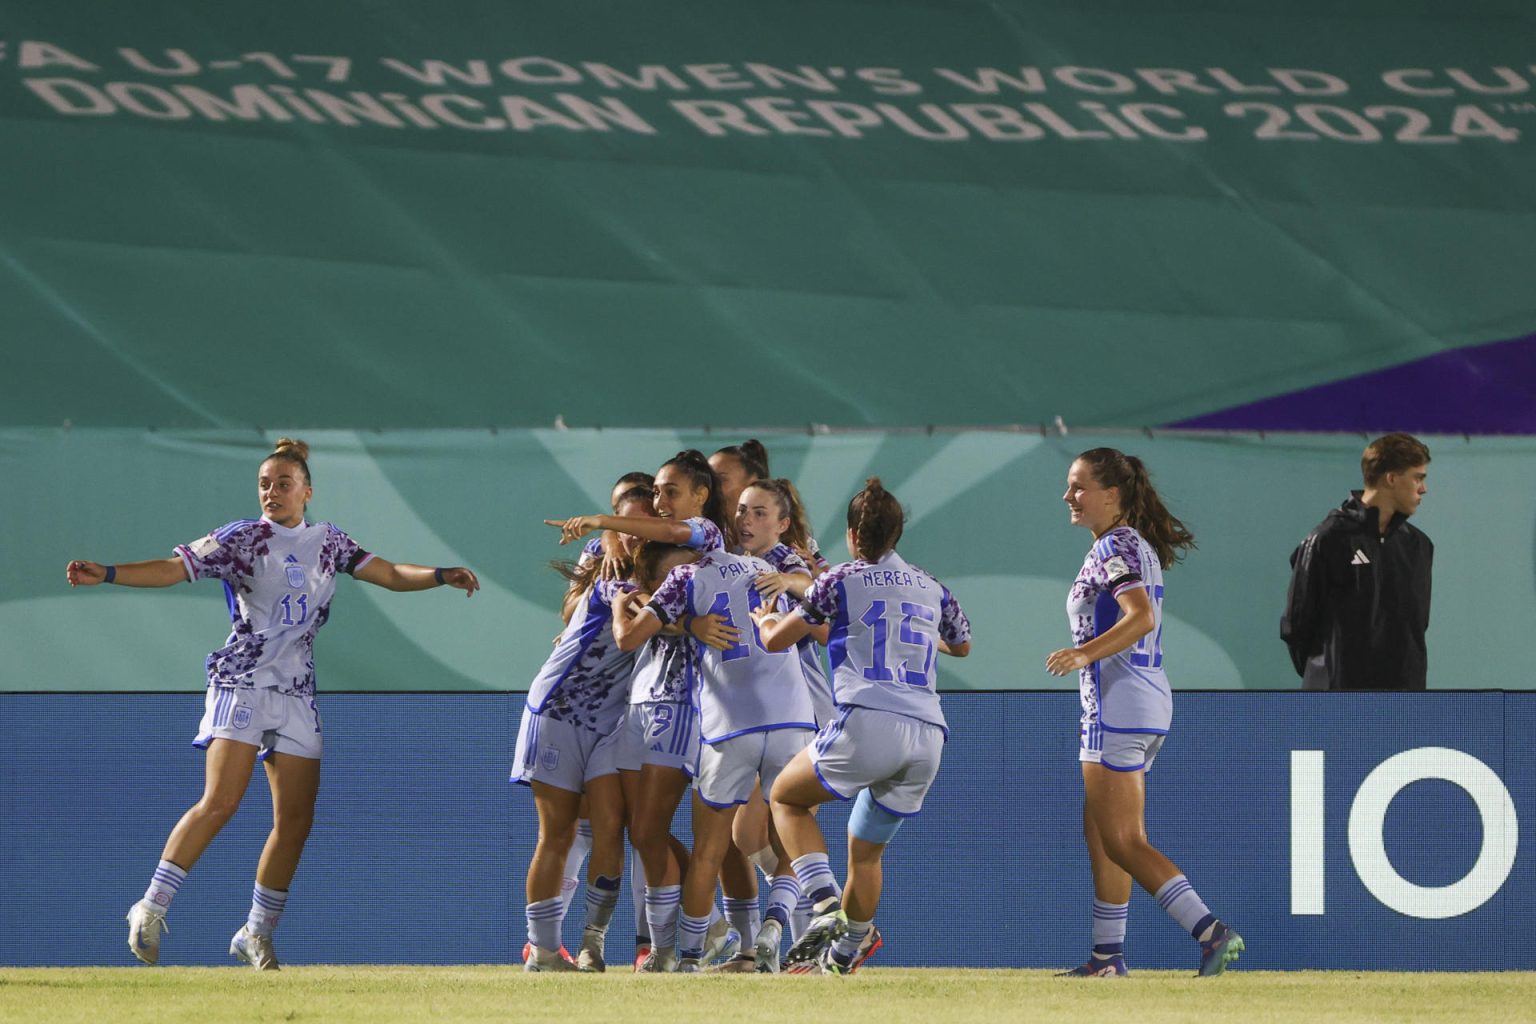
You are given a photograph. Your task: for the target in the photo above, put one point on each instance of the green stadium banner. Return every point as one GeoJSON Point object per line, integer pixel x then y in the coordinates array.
{"type": "Point", "coordinates": [985, 516]}
{"type": "Point", "coordinates": [412, 215]}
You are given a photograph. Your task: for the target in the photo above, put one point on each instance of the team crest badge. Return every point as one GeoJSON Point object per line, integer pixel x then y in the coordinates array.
{"type": "Point", "coordinates": [295, 575]}
{"type": "Point", "coordinates": [241, 718]}
{"type": "Point", "coordinates": [550, 758]}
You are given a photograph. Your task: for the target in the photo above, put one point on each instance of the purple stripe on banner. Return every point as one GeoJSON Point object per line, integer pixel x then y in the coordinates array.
{"type": "Point", "coordinates": [1481, 389]}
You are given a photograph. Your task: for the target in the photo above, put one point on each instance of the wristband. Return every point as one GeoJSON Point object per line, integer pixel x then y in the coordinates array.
{"type": "Point", "coordinates": [437, 574]}
{"type": "Point", "coordinates": [111, 574]}
{"type": "Point", "coordinates": [687, 624]}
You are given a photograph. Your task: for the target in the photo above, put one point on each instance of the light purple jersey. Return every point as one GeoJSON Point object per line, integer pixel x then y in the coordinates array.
{"type": "Point", "coordinates": [278, 581]}
{"type": "Point", "coordinates": [784, 559]}
{"type": "Point", "coordinates": [886, 617]}
{"type": "Point", "coordinates": [585, 679]}
{"type": "Point", "coordinates": [666, 669]}
{"type": "Point", "coordinates": [1126, 691]}
{"type": "Point", "coordinates": [745, 688]}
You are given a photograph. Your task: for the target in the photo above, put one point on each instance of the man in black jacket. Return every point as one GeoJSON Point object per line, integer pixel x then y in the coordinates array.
{"type": "Point", "coordinates": [1359, 599]}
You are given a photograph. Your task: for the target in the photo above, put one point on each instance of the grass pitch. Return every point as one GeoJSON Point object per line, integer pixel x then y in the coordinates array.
{"type": "Point", "coordinates": [404, 995]}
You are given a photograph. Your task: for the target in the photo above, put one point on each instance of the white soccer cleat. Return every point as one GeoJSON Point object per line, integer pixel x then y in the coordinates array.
{"type": "Point", "coordinates": [253, 949]}
{"type": "Point", "coordinates": [547, 960]}
{"type": "Point", "coordinates": [145, 923]}
{"type": "Point", "coordinates": [720, 942]}
{"type": "Point", "coordinates": [590, 956]}
{"type": "Point", "coordinates": [766, 950]}
{"type": "Point", "coordinates": [658, 961]}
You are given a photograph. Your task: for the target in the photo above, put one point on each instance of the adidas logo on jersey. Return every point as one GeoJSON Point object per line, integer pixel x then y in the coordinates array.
{"type": "Point", "coordinates": [290, 558]}
{"type": "Point", "coordinates": [1359, 559]}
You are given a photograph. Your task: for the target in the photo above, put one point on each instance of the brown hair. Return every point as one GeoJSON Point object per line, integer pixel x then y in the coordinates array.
{"type": "Point", "coordinates": [752, 455]}
{"type": "Point", "coordinates": [647, 572]}
{"type": "Point", "coordinates": [288, 449]}
{"type": "Point", "coordinates": [630, 482]}
{"type": "Point", "coordinates": [583, 574]}
{"type": "Point", "coordinates": [702, 474]}
{"type": "Point", "coordinates": [1392, 453]}
{"type": "Point", "coordinates": [1140, 506]}
{"type": "Point", "coordinates": [790, 507]}
{"type": "Point", "coordinates": [876, 518]}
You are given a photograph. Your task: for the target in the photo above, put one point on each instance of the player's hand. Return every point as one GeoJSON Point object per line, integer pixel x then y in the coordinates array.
{"type": "Point", "coordinates": [462, 578]}
{"type": "Point", "coordinates": [85, 574]}
{"type": "Point", "coordinates": [575, 528]}
{"type": "Point", "coordinates": [1065, 661]}
{"type": "Point", "coordinates": [769, 585]}
{"type": "Point", "coordinates": [714, 631]}
{"type": "Point", "coordinates": [615, 565]}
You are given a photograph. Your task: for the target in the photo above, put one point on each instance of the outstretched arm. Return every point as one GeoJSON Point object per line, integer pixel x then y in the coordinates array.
{"type": "Point", "coordinates": [668, 531]}
{"type": "Point", "coordinates": [402, 577]}
{"type": "Point", "coordinates": [158, 572]}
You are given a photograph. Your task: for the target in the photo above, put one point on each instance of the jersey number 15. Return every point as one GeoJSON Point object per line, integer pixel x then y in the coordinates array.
{"type": "Point", "coordinates": [916, 620]}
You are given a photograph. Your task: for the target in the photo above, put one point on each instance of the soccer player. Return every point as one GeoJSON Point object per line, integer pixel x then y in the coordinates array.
{"type": "Point", "coordinates": [1115, 610]}
{"type": "Point", "coordinates": [567, 746]}
{"type": "Point", "coordinates": [690, 512]}
{"type": "Point", "coordinates": [660, 747]}
{"type": "Point", "coordinates": [755, 715]}
{"type": "Point", "coordinates": [889, 620]}
{"type": "Point", "coordinates": [279, 573]}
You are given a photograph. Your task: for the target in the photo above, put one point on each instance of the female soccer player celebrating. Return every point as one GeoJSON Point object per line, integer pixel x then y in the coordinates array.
{"type": "Point", "coordinates": [755, 715]}
{"type": "Point", "coordinates": [689, 511]}
{"type": "Point", "coordinates": [1115, 610]}
{"type": "Point", "coordinates": [889, 619]}
{"type": "Point", "coordinates": [279, 572]}
{"type": "Point", "coordinates": [568, 745]}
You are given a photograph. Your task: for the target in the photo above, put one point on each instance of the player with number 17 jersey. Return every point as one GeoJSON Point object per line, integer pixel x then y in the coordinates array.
{"type": "Point", "coordinates": [1127, 692]}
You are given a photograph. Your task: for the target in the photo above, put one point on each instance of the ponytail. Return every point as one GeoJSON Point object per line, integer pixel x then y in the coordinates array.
{"type": "Point", "coordinates": [752, 455]}
{"type": "Point", "coordinates": [876, 518]}
{"type": "Point", "coordinates": [1140, 506]}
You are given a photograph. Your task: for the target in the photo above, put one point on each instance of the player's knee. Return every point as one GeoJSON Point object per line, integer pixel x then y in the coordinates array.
{"type": "Point", "coordinates": [1125, 848]}
{"type": "Point", "coordinates": [217, 807]}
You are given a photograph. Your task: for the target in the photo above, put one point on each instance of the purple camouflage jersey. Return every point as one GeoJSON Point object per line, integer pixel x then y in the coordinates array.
{"type": "Point", "coordinates": [278, 582]}
{"type": "Point", "coordinates": [1125, 692]}
{"type": "Point", "coordinates": [886, 617]}
{"type": "Point", "coordinates": [585, 679]}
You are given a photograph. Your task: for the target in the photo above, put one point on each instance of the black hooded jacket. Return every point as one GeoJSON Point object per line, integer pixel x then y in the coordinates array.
{"type": "Point", "coordinates": [1358, 605]}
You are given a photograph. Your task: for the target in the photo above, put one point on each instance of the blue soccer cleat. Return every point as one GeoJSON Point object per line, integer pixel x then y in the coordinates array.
{"type": "Point", "coordinates": [1220, 949]}
{"type": "Point", "coordinates": [1112, 966]}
